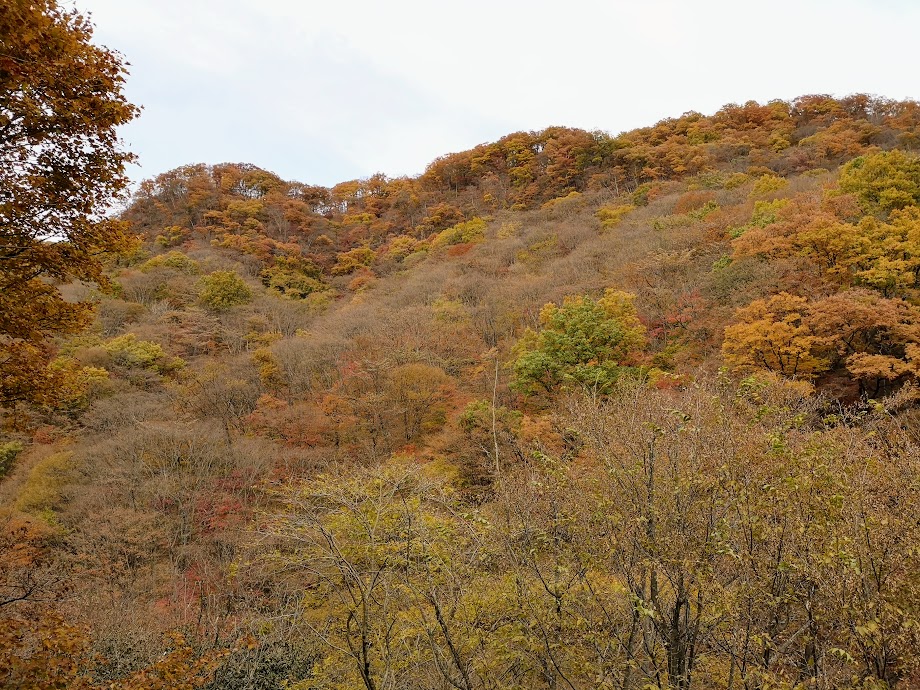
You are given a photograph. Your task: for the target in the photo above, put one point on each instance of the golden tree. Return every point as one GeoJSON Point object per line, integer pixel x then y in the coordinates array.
{"type": "Point", "coordinates": [773, 334]}
{"type": "Point", "coordinates": [61, 166]}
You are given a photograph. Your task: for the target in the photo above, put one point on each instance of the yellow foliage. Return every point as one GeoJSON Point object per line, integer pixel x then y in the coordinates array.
{"type": "Point", "coordinates": [610, 216]}
{"type": "Point", "coordinates": [352, 260]}
{"type": "Point", "coordinates": [401, 246]}
{"type": "Point", "coordinates": [883, 182]}
{"type": "Point", "coordinates": [41, 492]}
{"type": "Point", "coordinates": [538, 251]}
{"type": "Point", "coordinates": [76, 382]}
{"type": "Point", "coordinates": [562, 202]}
{"type": "Point", "coordinates": [223, 290]}
{"type": "Point", "coordinates": [126, 350]}
{"type": "Point", "coordinates": [767, 184]}
{"type": "Point", "coordinates": [270, 374]}
{"type": "Point", "coordinates": [244, 209]}
{"type": "Point", "coordinates": [174, 259]}
{"type": "Point", "coordinates": [508, 229]}
{"type": "Point", "coordinates": [473, 230]}
{"type": "Point", "coordinates": [737, 180]}
{"type": "Point", "coordinates": [773, 334]}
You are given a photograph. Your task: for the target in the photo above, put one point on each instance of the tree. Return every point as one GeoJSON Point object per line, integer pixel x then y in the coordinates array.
{"type": "Point", "coordinates": [376, 552]}
{"type": "Point", "coordinates": [858, 333]}
{"type": "Point", "coordinates": [874, 338]}
{"type": "Point", "coordinates": [61, 166]}
{"type": "Point", "coordinates": [223, 290]}
{"type": "Point", "coordinates": [773, 334]}
{"type": "Point", "coordinates": [884, 181]}
{"type": "Point", "coordinates": [584, 342]}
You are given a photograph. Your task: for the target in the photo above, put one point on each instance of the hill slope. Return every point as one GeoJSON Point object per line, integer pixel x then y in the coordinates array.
{"type": "Point", "coordinates": [567, 410]}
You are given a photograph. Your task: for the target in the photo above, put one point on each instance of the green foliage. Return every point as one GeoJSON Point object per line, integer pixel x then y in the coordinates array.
{"type": "Point", "coordinates": [764, 214]}
{"type": "Point", "coordinates": [42, 491]}
{"type": "Point", "coordinates": [768, 184]}
{"type": "Point", "coordinates": [883, 182]}
{"type": "Point", "coordinates": [8, 454]}
{"type": "Point", "coordinates": [293, 278]}
{"type": "Point", "coordinates": [683, 220]}
{"type": "Point", "coordinates": [704, 210]}
{"type": "Point", "coordinates": [537, 252]}
{"type": "Point", "coordinates": [223, 290]}
{"type": "Point", "coordinates": [721, 262]}
{"type": "Point", "coordinates": [375, 545]}
{"type": "Point", "coordinates": [127, 351]}
{"type": "Point", "coordinates": [450, 311]}
{"type": "Point", "coordinates": [352, 260]}
{"type": "Point", "coordinates": [610, 216]}
{"type": "Point", "coordinates": [678, 220]}
{"type": "Point", "coordinates": [640, 197]}
{"type": "Point", "coordinates": [174, 259]}
{"type": "Point", "coordinates": [473, 230]}
{"type": "Point", "coordinates": [477, 416]}
{"type": "Point", "coordinates": [712, 179]}
{"type": "Point", "coordinates": [582, 343]}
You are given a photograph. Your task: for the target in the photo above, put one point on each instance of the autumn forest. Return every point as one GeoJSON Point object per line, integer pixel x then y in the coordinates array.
{"type": "Point", "coordinates": [568, 410]}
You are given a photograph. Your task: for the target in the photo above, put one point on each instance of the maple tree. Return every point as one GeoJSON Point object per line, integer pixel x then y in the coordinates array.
{"type": "Point", "coordinates": [60, 167]}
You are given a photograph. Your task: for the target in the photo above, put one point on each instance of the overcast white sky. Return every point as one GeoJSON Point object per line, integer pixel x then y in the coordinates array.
{"type": "Point", "coordinates": [323, 92]}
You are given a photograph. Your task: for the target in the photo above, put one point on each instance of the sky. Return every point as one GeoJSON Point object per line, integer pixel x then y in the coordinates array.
{"type": "Point", "coordinates": [323, 92]}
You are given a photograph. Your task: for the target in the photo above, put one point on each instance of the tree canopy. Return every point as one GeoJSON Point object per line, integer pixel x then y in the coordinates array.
{"type": "Point", "coordinates": [583, 342]}
{"type": "Point", "coordinates": [61, 166]}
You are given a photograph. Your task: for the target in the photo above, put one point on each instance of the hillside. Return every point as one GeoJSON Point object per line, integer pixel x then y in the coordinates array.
{"type": "Point", "coordinates": [568, 410]}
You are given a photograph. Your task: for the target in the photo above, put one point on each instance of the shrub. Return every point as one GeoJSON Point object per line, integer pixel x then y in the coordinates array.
{"type": "Point", "coordinates": [9, 451]}
{"type": "Point", "coordinates": [172, 236]}
{"type": "Point", "coordinates": [127, 351]}
{"type": "Point", "coordinates": [401, 246]}
{"type": "Point", "coordinates": [767, 184]}
{"type": "Point", "coordinates": [293, 278]}
{"type": "Point", "coordinates": [223, 290]}
{"type": "Point", "coordinates": [610, 216]}
{"type": "Point", "coordinates": [175, 260]}
{"type": "Point", "coordinates": [692, 201]}
{"type": "Point", "coordinates": [41, 492]}
{"type": "Point", "coordinates": [737, 180]}
{"type": "Point", "coordinates": [470, 231]}
{"type": "Point", "coordinates": [352, 260]}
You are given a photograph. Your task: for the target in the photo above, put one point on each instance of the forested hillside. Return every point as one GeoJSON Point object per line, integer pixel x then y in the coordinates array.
{"type": "Point", "coordinates": [568, 410]}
